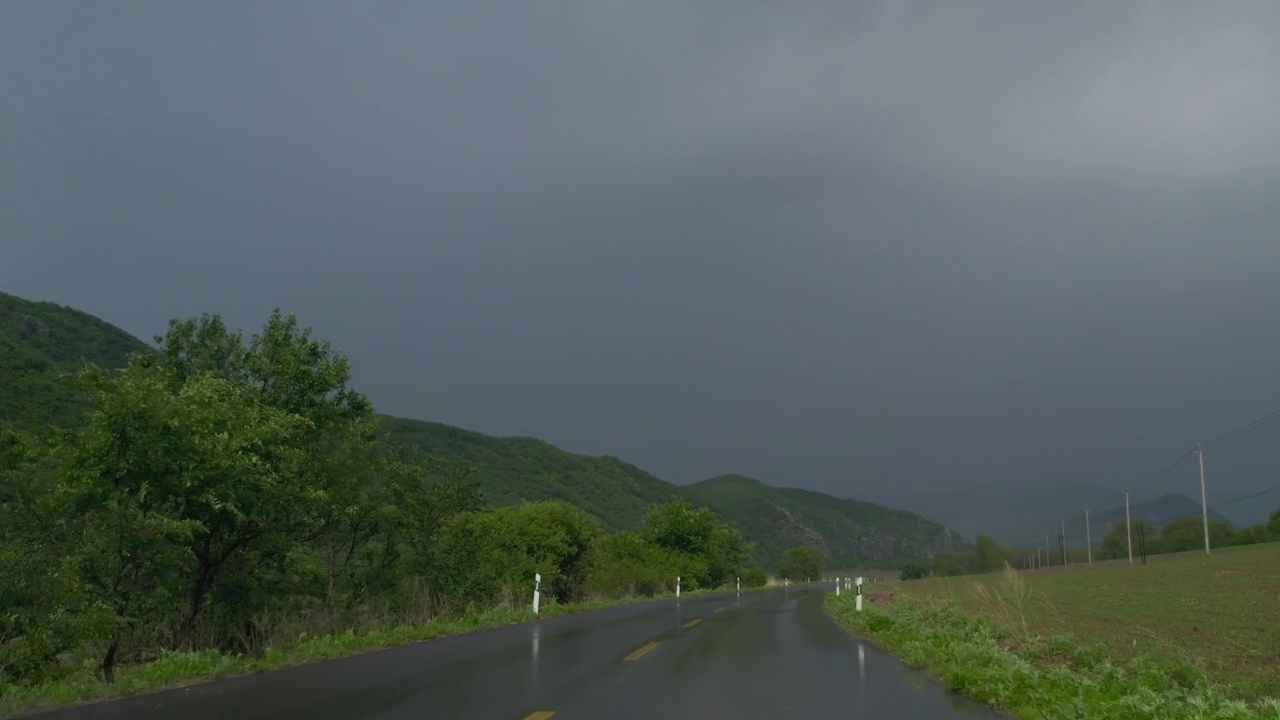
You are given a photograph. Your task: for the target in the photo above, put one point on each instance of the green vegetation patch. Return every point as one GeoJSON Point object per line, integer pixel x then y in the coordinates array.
{"type": "Point", "coordinates": [1219, 613]}
{"type": "Point", "coordinates": [851, 533]}
{"type": "Point", "coordinates": [220, 502]}
{"type": "Point", "coordinates": [42, 345]}
{"type": "Point", "coordinates": [992, 648]}
{"type": "Point", "coordinates": [514, 470]}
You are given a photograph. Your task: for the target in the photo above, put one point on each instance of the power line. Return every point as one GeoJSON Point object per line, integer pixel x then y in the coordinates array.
{"type": "Point", "coordinates": [1251, 428]}
{"type": "Point", "coordinates": [1176, 464]}
{"type": "Point", "coordinates": [1246, 497]}
{"type": "Point", "coordinates": [1244, 432]}
{"type": "Point", "coordinates": [1255, 431]}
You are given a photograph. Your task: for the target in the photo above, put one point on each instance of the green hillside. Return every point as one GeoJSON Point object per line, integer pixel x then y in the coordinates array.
{"type": "Point", "coordinates": [42, 345]}
{"type": "Point", "coordinates": [851, 534]}
{"type": "Point", "coordinates": [517, 469]}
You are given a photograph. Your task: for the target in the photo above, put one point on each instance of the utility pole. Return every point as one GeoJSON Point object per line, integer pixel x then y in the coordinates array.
{"type": "Point", "coordinates": [1204, 502]}
{"type": "Point", "coordinates": [1088, 537]}
{"type": "Point", "coordinates": [1128, 526]}
{"type": "Point", "coordinates": [1047, 560]}
{"type": "Point", "coordinates": [1062, 529]}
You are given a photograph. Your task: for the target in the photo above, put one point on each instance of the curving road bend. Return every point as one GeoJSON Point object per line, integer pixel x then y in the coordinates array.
{"type": "Point", "coordinates": [765, 654]}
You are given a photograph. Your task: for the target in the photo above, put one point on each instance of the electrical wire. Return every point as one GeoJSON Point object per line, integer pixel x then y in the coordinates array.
{"type": "Point", "coordinates": [1246, 497]}
{"type": "Point", "coordinates": [1163, 473]}
{"type": "Point", "coordinates": [1244, 432]}
{"type": "Point", "coordinates": [1269, 421]}
{"type": "Point", "coordinates": [1255, 431]}
{"type": "Point", "coordinates": [1104, 503]}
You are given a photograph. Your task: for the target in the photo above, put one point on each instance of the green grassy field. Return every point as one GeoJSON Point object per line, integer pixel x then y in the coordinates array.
{"type": "Point", "coordinates": [1185, 636]}
{"type": "Point", "coordinates": [1221, 613]}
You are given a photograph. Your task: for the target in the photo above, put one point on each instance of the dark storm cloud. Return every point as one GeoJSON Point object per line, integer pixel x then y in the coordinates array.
{"type": "Point", "coordinates": [877, 249]}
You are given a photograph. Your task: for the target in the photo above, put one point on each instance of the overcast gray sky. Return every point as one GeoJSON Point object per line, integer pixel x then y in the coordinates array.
{"type": "Point", "coordinates": [879, 249]}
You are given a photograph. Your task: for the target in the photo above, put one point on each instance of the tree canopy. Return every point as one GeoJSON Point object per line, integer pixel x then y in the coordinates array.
{"type": "Point", "coordinates": [802, 563]}
{"type": "Point", "coordinates": [227, 494]}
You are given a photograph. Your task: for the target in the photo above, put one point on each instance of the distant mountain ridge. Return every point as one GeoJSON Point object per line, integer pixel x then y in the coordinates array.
{"type": "Point", "coordinates": [851, 534]}
{"type": "Point", "coordinates": [1155, 512]}
{"type": "Point", "coordinates": [43, 344]}
{"type": "Point", "coordinates": [521, 469]}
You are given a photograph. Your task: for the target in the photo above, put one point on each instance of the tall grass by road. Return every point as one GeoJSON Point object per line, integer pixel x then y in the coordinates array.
{"type": "Point", "coordinates": [1183, 637]}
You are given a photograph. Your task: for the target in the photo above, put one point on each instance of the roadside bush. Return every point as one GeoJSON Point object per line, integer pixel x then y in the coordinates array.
{"type": "Point", "coordinates": [754, 577]}
{"type": "Point", "coordinates": [715, 550]}
{"type": "Point", "coordinates": [802, 563]}
{"type": "Point", "coordinates": [625, 564]}
{"type": "Point", "coordinates": [487, 557]}
{"type": "Point", "coordinates": [911, 571]}
{"type": "Point", "coordinates": [1041, 678]}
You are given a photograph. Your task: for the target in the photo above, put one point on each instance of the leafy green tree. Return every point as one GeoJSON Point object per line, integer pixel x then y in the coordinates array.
{"type": "Point", "coordinates": [1220, 533]}
{"type": "Point", "coordinates": [287, 368]}
{"type": "Point", "coordinates": [560, 539]}
{"type": "Point", "coordinates": [1183, 533]}
{"type": "Point", "coordinates": [182, 488]}
{"type": "Point", "coordinates": [627, 564]}
{"type": "Point", "coordinates": [947, 567]}
{"type": "Point", "coordinates": [680, 527]}
{"type": "Point", "coordinates": [1187, 533]}
{"type": "Point", "coordinates": [44, 609]}
{"type": "Point", "coordinates": [1273, 523]}
{"type": "Point", "coordinates": [754, 577]}
{"type": "Point", "coordinates": [1156, 543]}
{"type": "Point", "coordinates": [727, 551]}
{"type": "Point", "coordinates": [990, 555]}
{"type": "Point", "coordinates": [1251, 535]}
{"type": "Point", "coordinates": [802, 563]}
{"type": "Point", "coordinates": [912, 571]}
{"type": "Point", "coordinates": [493, 555]}
{"type": "Point", "coordinates": [357, 504]}
{"type": "Point", "coordinates": [1115, 544]}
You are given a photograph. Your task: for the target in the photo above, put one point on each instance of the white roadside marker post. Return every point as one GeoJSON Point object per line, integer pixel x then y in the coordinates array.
{"type": "Point", "coordinates": [739, 584]}
{"type": "Point", "coordinates": [537, 594]}
{"type": "Point", "coordinates": [677, 586]}
{"type": "Point", "coordinates": [838, 587]}
{"type": "Point", "coordinates": [858, 602]}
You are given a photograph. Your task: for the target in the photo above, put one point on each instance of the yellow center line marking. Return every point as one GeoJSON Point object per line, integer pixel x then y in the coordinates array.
{"type": "Point", "coordinates": [639, 652]}
{"type": "Point", "coordinates": [539, 715]}
{"type": "Point", "coordinates": [693, 622]}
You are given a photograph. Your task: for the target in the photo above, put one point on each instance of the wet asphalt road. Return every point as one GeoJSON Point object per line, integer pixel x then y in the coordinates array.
{"type": "Point", "coordinates": [766, 654]}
